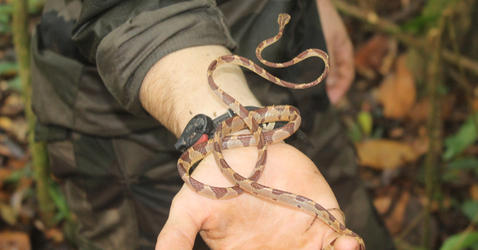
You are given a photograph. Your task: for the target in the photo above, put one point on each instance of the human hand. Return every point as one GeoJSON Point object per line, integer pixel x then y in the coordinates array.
{"type": "Point", "coordinates": [247, 222]}
{"type": "Point", "coordinates": [340, 50]}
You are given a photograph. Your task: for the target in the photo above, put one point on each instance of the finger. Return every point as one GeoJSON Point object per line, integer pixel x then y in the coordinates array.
{"type": "Point", "coordinates": [180, 230]}
{"type": "Point", "coordinates": [338, 84]}
{"type": "Point", "coordinates": [346, 243]}
{"type": "Point", "coordinates": [334, 91]}
{"type": "Point", "coordinates": [338, 241]}
{"type": "Point", "coordinates": [342, 74]}
{"type": "Point", "coordinates": [337, 88]}
{"type": "Point", "coordinates": [177, 233]}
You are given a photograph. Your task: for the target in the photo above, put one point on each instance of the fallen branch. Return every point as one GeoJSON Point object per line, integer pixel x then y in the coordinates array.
{"type": "Point", "coordinates": [393, 29]}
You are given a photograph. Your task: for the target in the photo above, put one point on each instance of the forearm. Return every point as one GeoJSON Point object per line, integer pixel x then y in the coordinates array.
{"type": "Point", "coordinates": [176, 88]}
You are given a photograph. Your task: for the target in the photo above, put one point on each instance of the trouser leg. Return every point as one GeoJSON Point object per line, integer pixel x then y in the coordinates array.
{"type": "Point", "coordinates": [120, 189]}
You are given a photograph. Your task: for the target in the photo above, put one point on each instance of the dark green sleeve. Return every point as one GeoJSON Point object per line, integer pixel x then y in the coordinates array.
{"type": "Point", "coordinates": [125, 38]}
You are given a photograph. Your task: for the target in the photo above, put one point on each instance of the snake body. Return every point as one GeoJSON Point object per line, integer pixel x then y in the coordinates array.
{"type": "Point", "coordinates": [258, 136]}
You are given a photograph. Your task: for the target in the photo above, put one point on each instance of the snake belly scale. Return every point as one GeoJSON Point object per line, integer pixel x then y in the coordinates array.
{"type": "Point", "coordinates": [258, 136]}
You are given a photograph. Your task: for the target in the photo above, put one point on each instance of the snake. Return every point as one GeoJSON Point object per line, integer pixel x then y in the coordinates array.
{"type": "Point", "coordinates": [260, 137]}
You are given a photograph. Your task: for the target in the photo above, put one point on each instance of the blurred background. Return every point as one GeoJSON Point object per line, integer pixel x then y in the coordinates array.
{"type": "Point", "coordinates": [412, 113]}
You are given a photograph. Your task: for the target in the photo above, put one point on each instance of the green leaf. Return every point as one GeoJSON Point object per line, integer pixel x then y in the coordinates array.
{"type": "Point", "coordinates": [470, 209]}
{"type": "Point", "coordinates": [465, 137]}
{"type": "Point", "coordinates": [451, 176]}
{"type": "Point", "coordinates": [17, 175]}
{"type": "Point", "coordinates": [432, 11]}
{"type": "Point", "coordinates": [5, 28]}
{"type": "Point", "coordinates": [4, 19]}
{"type": "Point", "coordinates": [8, 68]}
{"type": "Point", "coordinates": [457, 169]}
{"type": "Point", "coordinates": [436, 7]}
{"type": "Point", "coordinates": [419, 24]}
{"type": "Point", "coordinates": [35, 6]}
{"type": "Point", "coordinates": [365, 121]}
{"type": "Point", "coordinates": [461, 241]}
{"type": "Point", "coordinates": [354, 132]}
{"type": "Point", "coordinates": [5, 16]}
{"type": "Point", "coordinates": [15, 84]}
{"type": "Point", "coordinates": [465, 163]}
{"type": "Point", "coordinates": [5, 9]}
{"type": "Point", "coordinates": [59, 200]}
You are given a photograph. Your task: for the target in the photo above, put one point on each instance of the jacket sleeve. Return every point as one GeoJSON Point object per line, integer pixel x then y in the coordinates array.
{"type": "Point", "coordinates": [125, 38]}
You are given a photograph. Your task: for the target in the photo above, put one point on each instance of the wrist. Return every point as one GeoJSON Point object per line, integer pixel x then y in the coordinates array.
{"type": "Point", "coordinates": [176, 89]}
{"type": "Point", "coordinates": [202, 128]}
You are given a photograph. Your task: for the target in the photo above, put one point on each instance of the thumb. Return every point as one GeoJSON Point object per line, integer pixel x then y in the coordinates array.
{"type": "Point", "coordinates": [179, 232]}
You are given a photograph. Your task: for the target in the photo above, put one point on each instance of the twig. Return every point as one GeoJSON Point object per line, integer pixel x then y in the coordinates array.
{"type": "Point", "coordinates": [460, 60]}
{"type": "Point", "coordinates": [391, 28]}
{"type": "Point", "coordinates": [412, 8]}
{"type": "Point", "coordinates": [434, 124]}
{"type": "Point", "coordinates": [412, 225]}
{"type": "Point", "coordinates": [37, 149]}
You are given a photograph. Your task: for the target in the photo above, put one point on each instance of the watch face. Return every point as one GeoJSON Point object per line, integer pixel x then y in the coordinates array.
{"type": "Point", "coordinates": [196, 127]}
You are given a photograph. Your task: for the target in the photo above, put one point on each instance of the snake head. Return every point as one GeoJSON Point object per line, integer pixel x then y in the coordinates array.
{"type": "Point", "coordinates": [283, 19]}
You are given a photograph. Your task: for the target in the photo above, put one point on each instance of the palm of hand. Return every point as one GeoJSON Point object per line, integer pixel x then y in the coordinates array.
{"type": "Point", "coordinates": [248, 222]}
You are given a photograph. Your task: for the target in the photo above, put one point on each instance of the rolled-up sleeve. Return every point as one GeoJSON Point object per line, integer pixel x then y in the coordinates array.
{"type": "Point", "coordinates": [124, 44]}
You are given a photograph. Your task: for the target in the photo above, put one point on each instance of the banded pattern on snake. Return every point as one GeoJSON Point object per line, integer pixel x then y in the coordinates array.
{"type": "Point", "coordinates": [252, 120]}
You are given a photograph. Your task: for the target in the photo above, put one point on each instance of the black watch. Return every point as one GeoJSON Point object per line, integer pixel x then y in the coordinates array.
{"type": "Point", "coordinates": [201, 128]}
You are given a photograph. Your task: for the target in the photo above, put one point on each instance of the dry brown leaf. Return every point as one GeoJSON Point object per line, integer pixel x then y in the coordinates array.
{"type": "Point", "coordinates": [14, 240]}
{"type": "Point", "coordinates": [382, 204]}
{"type": "Point", "coordinates": [4, 174]}
{"type": "Point", "coordinates": [20, 129]}
{"type": "Point", "coordinates": [10, 148]}
{"type": "Point", "coordinates": [420, 111]}
{"type": "Point", "coordinates": [12, 105]}
{"type": "Point", "coordinates": [394, 222]}
{"type": "Point", "coordinates": [54, 234]}
{"type": "Point", "coordinates": [475, 104]}
{"type": "Point", "coordinates": [5, 151]}
{"type": "Point", "coordinates": [474, 192]}
{"type": "Point", "coordinates": [397, 132]}
{"type": "Point", "coordinates": [385, 154]}
{"type": "Point", "coordinates": [446, 203]}
{"type": "Point", "coordinates": [4, 196]}
{"type": "Point", "coordinates": [6, 123]}
{"type": "Point", "coordinates": [397, 92]}
{"type": "Point", "coordinates": [17, 163]}
{"type": "Point", "coordinates": [8, 214]}
{"type": "Point", "coordinates": [370, 57]}
{"type": "Point", "coordinates": [420, 144]}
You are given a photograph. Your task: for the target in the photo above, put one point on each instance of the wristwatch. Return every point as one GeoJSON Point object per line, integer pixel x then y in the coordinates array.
{"type": "Point", "coordinates": [201, 128]}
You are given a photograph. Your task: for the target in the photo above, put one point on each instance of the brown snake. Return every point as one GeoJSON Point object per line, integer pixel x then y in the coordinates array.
{"type": "Point", "coordinates": [251, 120]}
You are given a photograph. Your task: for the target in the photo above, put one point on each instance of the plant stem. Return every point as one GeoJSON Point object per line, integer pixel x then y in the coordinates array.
{"type": "Point", "coordinates": [434, 124]}
{"type": "Point", "coordinates": [37, 149]}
